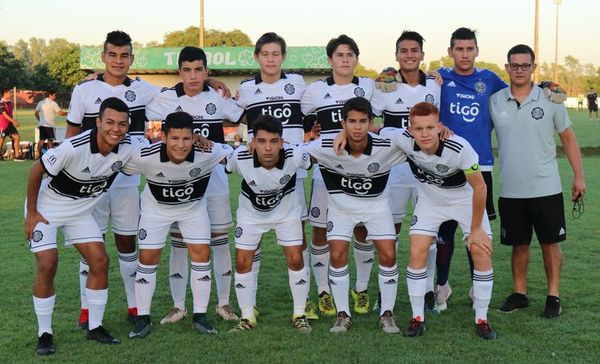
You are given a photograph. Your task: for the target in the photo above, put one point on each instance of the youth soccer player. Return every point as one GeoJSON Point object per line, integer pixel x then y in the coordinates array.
{"type": "Point", "coordinates": [268, 202]}
{"type": "Point", "coordinates": [79, 170]}
{"type": "Point", "coordinates": [177, 176]}
{"type": "Point", "coordinates": [355, 183]}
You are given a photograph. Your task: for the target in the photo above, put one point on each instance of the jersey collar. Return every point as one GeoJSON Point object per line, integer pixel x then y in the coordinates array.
{"type": "Point", "coordinates": [126, 82]}
{"type": "Point", "coordinates": [331, 82]}
{"type": "Point", "coordinates": [180, 92]}
{"type": "Point", "coordinates": [279, 164]}
{"type": "Point", "coordinates": [422, 78]}
{"type": "Point", "coordinates": [165, 158]}
{"type": "Point", "coordinates": [94, 143]}
{"type": "Point", "coordinates": [368, 149]}
{"type": "Point", "coordinates": [438, 152]}
{"type": "Point", "coordinates": [258, 79]}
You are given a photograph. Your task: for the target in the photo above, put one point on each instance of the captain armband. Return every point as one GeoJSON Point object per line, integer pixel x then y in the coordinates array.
{"type": "Point", "coordinates": [474, 168]}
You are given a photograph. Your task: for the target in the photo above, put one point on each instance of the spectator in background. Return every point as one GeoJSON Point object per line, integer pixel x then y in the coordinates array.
{"type": "Point", "coordinates": [580, 99]}
{"type": "Point", "coordinates": [45, 112]}
{"type": "Point", "coordinates": [8, 124]}
{"type": "Point", "coordinates": [592, 98]}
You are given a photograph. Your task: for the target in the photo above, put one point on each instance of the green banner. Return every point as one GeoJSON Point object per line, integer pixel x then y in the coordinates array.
{"type": "Point", "coordinates": [219, 58]}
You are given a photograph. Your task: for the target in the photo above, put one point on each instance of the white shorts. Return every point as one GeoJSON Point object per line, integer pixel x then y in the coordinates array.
{"type": "Point", "coordinates": [399, 197]}
{"type": "Point", "coordinates": [122, 206]}
{"type": "Point", "coordinates": [248, 235]}
{"type": "Point", "coordinates": [82, 230]}
{"type": "Point", "coordinates": [317, 216]}
{"type": "Point", "coordinates": [428, 217]}
{"type": "Point", "coordinates": [154, 227]}
{"type": "Point", "coordinates": [219, 213]}
{"type": "Point", "coordinates": [340, 224]}
{"type": "Point", "coordinates": [301, 197]}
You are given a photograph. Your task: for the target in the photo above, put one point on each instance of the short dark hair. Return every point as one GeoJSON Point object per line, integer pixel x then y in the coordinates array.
{"type": "Point", "coordinates": [50, 92]}
{"type": "Point", "coordinates": [463, 34]}
{"type": "Point", "coordinates": [270, 37]}
{"type": "Point", "coordinates": [341, 40]}
{"type": "Point", "coordinates": [520, 49]}
{"type": "Point", "coordinates": [410, 35]}
{"type": "Point", "coordinates": [423, 109]}
{"type": "Point", "coordinates": [5, 89]}
{"type": "Point", "coordinates": [178, 120]}
{"type": "Point", "coordinates": [118, 38]}
{"type": "Point", "coordinates": [113, 103]}
{"type": "Point", "coordinates": [357, 104]}
{"type": "Point", "coordinates": [267, 123]}
{"type": "Point", "coordinates": [191, 54]}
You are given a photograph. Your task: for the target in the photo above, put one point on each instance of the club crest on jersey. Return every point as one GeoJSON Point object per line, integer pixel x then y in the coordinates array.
{"type": "Point", "coordinates": [238, 231]}
{"type": "Point", "coordinates": [211, 109]}
{"type": "Point", "coordinates": [442, 168]}
{"type": "Point", "coordinates": [289, 89]}
{"type": "Point", "coordinates": [37, 236]}
{"type": "Point", "coordinates": [537, 113]}
{"type": "Point", "coordinates": [429, 98]}
{"type": "Point", "coordinates": [315, 212]}
{"type": "Point", "coordinates": [195, 172]}
{"type": "Point", "coordinates": [359, 92]}
{"type": "Point", "coordinates": [142, 234]}
{"type": "Point", "coordinates": [373, 167]}
{"type": "Point", "coordinates": [480, 87]}
{"type": "Point", "coordinates": [116, 167]}
{"type": "Point", "coordinates": [285, 179]}
{"type": "Point", "coordinates": [130, 96]}
{"type": "Point", "coordinates": [329, 226]}
{"type": "Point", "coordinates": [414, 220]}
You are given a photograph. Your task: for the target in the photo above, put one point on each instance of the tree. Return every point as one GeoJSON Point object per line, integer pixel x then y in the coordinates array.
{"type": "Point", "coordinates": [362, 71]}
{"type": "Point", "coordinates": [12, 70]}
{"type": "Point", "coordinates": [445, 61]}
{"type": "Point", "coordinates": [500, 71]}
{"type": "Point", "coordinates": [63, 64]}
{"type": "Point", "coordinates": [212, 38]}
{"type": "Point", "coordinates": [573, 75]}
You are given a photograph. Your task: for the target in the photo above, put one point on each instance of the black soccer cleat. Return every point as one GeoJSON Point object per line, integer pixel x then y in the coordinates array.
{"type": "Point", "coordinates": [202, 324]}
{"type": "Point", "coordinates": [142, 327]}
{"type": "Point", "coordinates": [415, 328]}
{"type": "Point", "coordinates": [45, 345]}
{"type": "Point", "coordinates": [102, 336]}
{"type": "Point", "coordinates": [485, 331]}
{"type": "Point", "coordinates": [552, 308]}
{"type": "Point", "coordinates": [429, 300]}
{"type": "Point", "coordinates": [514, 301]}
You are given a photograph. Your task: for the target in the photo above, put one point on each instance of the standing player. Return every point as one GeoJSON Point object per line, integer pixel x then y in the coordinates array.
{"type": "Point", "coordinates": [8, 124]}
{"type": "Point", "coordinates": [592, 100]}
{"type": "Point", "coordinates": [177, 176]}
{"type": "Point", "coordinates": [355, 183]}
{"type": "Point", "coordinates": [268, 202]}
{"type": "Point", "coordinates": [80, 170]}
{"type": "Point", "coordinates": [208, 109]}
{"type": "Point", "coordinates": [451, 187]}
{"type": "Point", "coordinates": [326, 98]}
{"type": "Point", "coordinates": [45, 112]}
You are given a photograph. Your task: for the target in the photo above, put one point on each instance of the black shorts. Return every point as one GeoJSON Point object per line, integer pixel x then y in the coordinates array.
{"type": "Point", "coordinates": [593, 107]}
{"type": "Point", "coordinates": [46, 133]}
{"type": "Point", "coordinates": [9, 132]}
{"type": "Point", "coordinates": [489, 201]}
{"type": "Point", "coordinates": [519, 216]}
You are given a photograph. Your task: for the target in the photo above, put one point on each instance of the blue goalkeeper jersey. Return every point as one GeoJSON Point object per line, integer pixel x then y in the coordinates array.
{"type": "Point", "coordinates": [464, 108]}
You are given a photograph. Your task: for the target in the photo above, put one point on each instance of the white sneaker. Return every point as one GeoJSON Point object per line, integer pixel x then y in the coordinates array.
{"type": "Point", "coordinates": [442, 293]}
{"type": "Point", "coordinates": [388, 324]}
{"type": "Point", "coordinates": [175, 314]}
{"type": "Point", "coordinates": [226, 313]}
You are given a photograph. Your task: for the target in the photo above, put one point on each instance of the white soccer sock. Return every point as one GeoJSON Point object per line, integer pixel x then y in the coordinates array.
{"type": "Point", "coordinates": [319, 256]}
{"type": "Point", "coordinates": [255, 271]}
{"type": "Point", "coordinates": [84, 270]}
{"type": "Point", "coordinates": [339, 278]}
{"type": "Point", "coordinates": [388, 286]}
{"type": "Point", "coordinates": [96, 299]}
{"type": "Point", "coordinates": [363, 258]}
{"type": "Point", "coordinates": [222, 266]}
{"type": "Point", "coordinates": [416, 280]}
{"type": "Point", "coordinates": [200, 281]}
{"type": "Point", "coordinates": [299, 286]}
{"type": "Point", "coordinates": [43, 310]}
{"type": "Point", "coordinates": [244, 290]}
{"type": "Point", "coordinates": [127, 265]}
{"type": "Point", "coordinates": [178, 272]}
{"type": "Point", "coordinates": [306, 260]}
{"type": "Point", "coordinates": [145, 283]}
{"type": "Point", "coordinates": [483, 283]}
{"type": "Point", "coordinates": [431, 264]}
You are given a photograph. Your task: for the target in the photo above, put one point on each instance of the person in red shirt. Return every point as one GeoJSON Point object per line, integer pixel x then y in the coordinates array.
{"type": "Point", "coordinates": [9, 125]}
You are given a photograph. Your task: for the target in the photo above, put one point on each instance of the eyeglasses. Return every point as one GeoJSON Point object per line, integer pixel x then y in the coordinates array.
{"type": "Point", "coordinates": [515, 66]}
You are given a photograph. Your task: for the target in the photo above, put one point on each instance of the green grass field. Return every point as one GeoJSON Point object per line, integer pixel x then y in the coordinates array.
{"type": "Point", "coordinates": [523, 336]}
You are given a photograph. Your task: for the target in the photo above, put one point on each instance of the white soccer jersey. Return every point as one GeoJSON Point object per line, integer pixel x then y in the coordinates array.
{"type": "Point", "coordinates": [356, 184]}
{"type": "Point", "coordinates": [85, 103]}
{"type": "Point", "coordinates": [79, 173]}
{"type": "Point", "coordinates": [280, 99]}
{"type": "Point", "coordinates": [442, 175]}
{"type": "Point", "coordinates": [268, 195]}
{"type": "Point", "coordinates": [326, 99]}
{"type": "Point", "coordinates": [174, 186]}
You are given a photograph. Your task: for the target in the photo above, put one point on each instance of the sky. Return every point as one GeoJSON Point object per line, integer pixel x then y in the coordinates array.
{"type": "Point", "coordinates": [374, 24]}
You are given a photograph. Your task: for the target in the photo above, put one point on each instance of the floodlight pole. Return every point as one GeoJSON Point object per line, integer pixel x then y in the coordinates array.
{"type": "Point", "coordinates": [536, 38]}
{"type": "Point", "coordinates": [557, 2]}
{"type": "Point", "coordinates": [201, 24]}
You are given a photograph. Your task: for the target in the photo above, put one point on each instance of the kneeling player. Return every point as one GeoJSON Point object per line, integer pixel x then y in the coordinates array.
{"type": "Point", "coordinates": [268, 201]}
{"type": "Point", "coordinates": [177, 175]}
{"type": "Point", "coordinates": [451, 188]}
{"type": "Point", "coordinates": [355, 182]}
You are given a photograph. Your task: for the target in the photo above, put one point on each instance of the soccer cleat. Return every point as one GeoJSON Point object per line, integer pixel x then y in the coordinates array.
{"type": "Point", "coordinates": [430, 300]}
{"type": "Point", "coordinates": [226, 313]}
{"type": "Point", "coordinates": [342, 323]}
{"type": "Point", "coordinates": [326, 306]}
{"type": "Point", "coordinates": [484, 330]}
{"type": "Point", "coordinates": [552, 308]}
{"type": "Point", "coordinates": [300, 323]}
{"type": "Point", "coordinates": [442, 294]}
{"type": "Point", "coordinates": [415, 328]}
{"type": "Point", "coordinates": [131, 314]}
{"type": "Point", "coordinates": [255, 311]}
{"type": "Point", "coordinates": [244, 325]}
{"type": "Point", "coordinates": [82, 323]}
{"type": "Point", "coordinates": [514, 301]}
{"type": "Point", "coordinates": [102, 336]}
{"type": "Point", "coordinates": [175, 314]}
{"type": "Point", "coordinates": [361, 301]}
{"type": "Point", "coordinates": [202, 324]}
{"type": "Point", "coordinates": [45, 345]}
{"type": "Point", "coordinates": [387, 323]}
{"type": "Point", "coordinates": [142, 327]}
{"type": "Point", "coordinates": [310, 310]}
